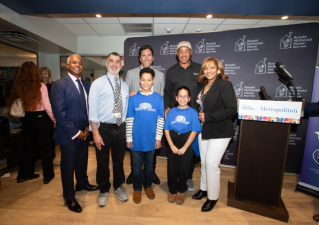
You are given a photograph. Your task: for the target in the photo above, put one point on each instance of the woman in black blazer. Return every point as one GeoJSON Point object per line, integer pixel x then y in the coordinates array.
{"type": "Point", "coordinates": [217, 104]}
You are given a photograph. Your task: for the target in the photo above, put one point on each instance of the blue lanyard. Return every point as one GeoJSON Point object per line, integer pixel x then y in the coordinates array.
{"type": "Point", "coordinates": [115, 99]}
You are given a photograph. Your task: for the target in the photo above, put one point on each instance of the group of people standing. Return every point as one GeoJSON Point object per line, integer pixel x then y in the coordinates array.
{"type": "Point", "coordinates": [193, 100]}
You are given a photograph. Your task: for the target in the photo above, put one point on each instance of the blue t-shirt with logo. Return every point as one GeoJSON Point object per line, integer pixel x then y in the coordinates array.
{"type": "Point", "coordinates": [145, 109]}
{"type": "Point", "coordinates": [182, 120]}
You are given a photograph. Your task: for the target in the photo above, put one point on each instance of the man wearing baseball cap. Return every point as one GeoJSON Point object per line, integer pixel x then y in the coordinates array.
{"type": "Point", "coordinates": [183, 73]}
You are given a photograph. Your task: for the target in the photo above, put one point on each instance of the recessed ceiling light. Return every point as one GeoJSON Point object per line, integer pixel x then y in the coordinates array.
{"type": "Point", "coordinates": [168, 29]}
{"type": "Point", "coordinates": [284, 17]}
{"type": "Point", "coordinates": [98, 15]}
{"type": "Point", "coordinates": [209, 16]}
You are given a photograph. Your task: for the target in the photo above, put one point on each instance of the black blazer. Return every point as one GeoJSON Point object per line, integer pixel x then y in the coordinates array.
{"type": "Point", "coordinates": [220, 105]}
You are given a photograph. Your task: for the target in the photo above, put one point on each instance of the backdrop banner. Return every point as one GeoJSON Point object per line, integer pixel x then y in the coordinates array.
{"type": "Point", "coordinates": [309, 176]}
{"type": "Point", "coordinates": [248, 57]}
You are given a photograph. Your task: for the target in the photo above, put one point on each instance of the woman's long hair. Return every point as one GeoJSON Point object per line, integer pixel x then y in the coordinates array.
{"type": "Point", "coordinates": [27, 87]}
{"type": "Point", "coordinates": [202, 79]}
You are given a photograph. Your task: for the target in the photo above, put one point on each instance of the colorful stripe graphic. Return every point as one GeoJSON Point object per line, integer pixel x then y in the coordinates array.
{"type": "Point", "coordinates": [269, 119]}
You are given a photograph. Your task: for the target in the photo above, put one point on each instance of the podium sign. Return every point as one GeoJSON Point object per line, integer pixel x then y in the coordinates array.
{"type": "Point", "coordinates": [270, 111]}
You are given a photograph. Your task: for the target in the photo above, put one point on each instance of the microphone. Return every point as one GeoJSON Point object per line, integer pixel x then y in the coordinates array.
{"type": "Point", "coordinates": [264, 93]}
{"type": "Point", "coordinates": [284, 71]}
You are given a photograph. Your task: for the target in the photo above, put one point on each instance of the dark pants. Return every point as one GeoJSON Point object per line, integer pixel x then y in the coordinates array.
{"type": "Point", "coordinates": [140, 175]}
{"type": "Point", "coordinates": [154, 160]}
{"type": "Point", "coordinates": [114, 138]}
{"type": "Point", "coordinates": [74, 158]}
{"type": "Point", "coordinates": [178, 165]}
{"type": "Point", "coordinates": [36, 131]}
{"type": "Point", "coordinates": [192, 165]}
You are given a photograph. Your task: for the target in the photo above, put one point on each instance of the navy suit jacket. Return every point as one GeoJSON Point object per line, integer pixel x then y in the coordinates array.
{"type": "Point", "coordinates": [68, 109]}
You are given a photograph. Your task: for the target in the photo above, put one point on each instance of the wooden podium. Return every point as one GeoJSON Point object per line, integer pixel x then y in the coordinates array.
{"type": "Point", "coordinates": [261, 158]}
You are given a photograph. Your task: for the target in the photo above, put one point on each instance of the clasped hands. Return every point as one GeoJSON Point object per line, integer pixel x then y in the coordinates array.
{"type": "Point", "coordinates": [85, 134]}
{"type": "Point", "coordinates": [178, 151]}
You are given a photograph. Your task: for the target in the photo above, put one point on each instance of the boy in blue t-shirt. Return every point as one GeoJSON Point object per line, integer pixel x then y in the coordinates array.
{"type": "Point", "coordinates": [144, 131]}
{"type": "Point", "coordinates": [181, 127]}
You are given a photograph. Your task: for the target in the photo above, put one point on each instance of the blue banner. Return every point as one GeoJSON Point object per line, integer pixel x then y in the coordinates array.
{"type": "Point", "coordinates": [309, 176]}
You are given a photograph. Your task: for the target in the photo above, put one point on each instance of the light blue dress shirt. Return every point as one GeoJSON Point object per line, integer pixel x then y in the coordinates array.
{"type": "Point", "coordinates": [101, 99]}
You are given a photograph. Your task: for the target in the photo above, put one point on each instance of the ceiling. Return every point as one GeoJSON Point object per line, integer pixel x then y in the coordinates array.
{"type": "Point", "coordinates": [89, 25]}
{"type": "Point", "coordinates": [239, 7]}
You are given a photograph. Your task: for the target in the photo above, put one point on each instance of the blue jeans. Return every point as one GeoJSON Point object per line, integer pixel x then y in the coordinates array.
{"type": "Point", "coordinates": [140, 175]}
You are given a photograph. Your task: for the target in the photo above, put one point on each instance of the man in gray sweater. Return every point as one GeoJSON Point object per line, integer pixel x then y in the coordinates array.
{"type": "Point", "coordinates": [146, 57]}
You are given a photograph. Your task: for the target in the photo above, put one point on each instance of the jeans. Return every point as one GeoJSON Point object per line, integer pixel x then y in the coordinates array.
{"type": "Point", "coordinates": [140, 175]}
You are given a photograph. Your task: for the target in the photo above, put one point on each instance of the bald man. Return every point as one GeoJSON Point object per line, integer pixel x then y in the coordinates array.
{"type": "Point", "coordinates": [69, 99]}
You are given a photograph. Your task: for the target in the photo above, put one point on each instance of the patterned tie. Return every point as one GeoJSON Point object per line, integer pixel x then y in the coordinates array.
{"type": "Point", "coordinates": [81, 91]}
{"type": "Point", "coordinates": [118, 107]}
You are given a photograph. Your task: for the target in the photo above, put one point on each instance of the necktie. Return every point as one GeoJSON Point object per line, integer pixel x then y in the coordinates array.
{"type": "Point", "coordinates": [118, 107]}
{"type": "Point", "coordinates": [81, 91]}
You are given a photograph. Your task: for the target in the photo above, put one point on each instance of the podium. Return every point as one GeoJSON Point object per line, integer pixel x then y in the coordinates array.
{"type": "Point", "coordinates": [261, 158]}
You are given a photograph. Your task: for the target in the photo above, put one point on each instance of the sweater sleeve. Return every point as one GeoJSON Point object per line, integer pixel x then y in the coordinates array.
{"type": "Point", "coordinates": [159, 128]}
{"type": "Point", "coordinates": [129, 129]}
{"type": "Point", "coordinates": [46, 102]}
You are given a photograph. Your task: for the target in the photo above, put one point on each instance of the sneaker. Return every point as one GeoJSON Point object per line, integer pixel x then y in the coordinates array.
{"type": "Point", "coordinates": [102, 199]}
{"type": "Point", "coordinates": [190, 184]}
{"type": "Point", "coordinates": [121, 193]}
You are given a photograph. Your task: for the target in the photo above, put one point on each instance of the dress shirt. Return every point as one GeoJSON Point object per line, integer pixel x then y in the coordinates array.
{"type": "Point", "coordinates": [101, 99]}
{"type": "Point", "coordinates": [86, 97]}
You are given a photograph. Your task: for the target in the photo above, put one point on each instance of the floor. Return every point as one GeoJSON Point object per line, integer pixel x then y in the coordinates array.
{"type": "Point", "coordinates": [34, 203]}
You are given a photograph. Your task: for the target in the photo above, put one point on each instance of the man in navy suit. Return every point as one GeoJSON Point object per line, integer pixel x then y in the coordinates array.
{"type": "Point", "coordinates": [69, 99]}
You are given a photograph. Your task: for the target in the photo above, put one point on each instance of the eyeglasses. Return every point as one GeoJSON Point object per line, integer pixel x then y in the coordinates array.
{"type": "Point", "coordinates": [185, 96]}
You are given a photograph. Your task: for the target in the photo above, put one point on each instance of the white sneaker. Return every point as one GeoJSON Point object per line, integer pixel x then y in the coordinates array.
{"type": "Point", "coordinates": [121, 193]}
{"type": "Point", "coordinates": [191, 185]}
{"type": "Point", "coordinates": [102, 199]}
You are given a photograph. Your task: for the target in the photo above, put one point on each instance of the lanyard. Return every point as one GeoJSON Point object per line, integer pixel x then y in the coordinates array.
{"type": "Point", "coordinates": [115, 99]}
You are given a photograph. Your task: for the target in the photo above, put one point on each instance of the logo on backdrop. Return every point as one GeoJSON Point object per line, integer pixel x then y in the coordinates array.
{"type": "Point", "coordinates": [261, 67]}
{"type": "Point", "coordinates": [200, 47]}
{"type": "Point", "coordinates": [317, 133]}
{"type": "Point", "coordinates": [133, 51]}
{"type": "Point", "coordinates": [315, 156]}
{"type": "Point", "coordinates": [240, 45]}
{"type": "Point", "coordinates": [164, 49]}
{"type": "Point", "coordinates": [146, 107]}
{"type": "Point", "coordinates": [180, 119]}
{"type": "Point", "coordinates": [281, 91]}
{"type": "Point", "coordinates": [286, 41]}
{"type": "Point", "coordinates": [222, 62]}
{"type": "Point", "coordinates": [239, 89]}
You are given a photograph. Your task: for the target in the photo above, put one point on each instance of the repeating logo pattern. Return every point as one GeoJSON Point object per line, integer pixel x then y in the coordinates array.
{"type": "Point", "coordinates": [240, 45]}
{"type": "Point", "coordinates": [164, 49]}
{"type": "Point", "coordinates": [286, 41]}
{"type": "Point", "coordinates": [261, 67]}
{"type": "Point", "coordinates": [239, 89]}
{"type": "Point", "coordinates": [133, 51]}
{"type": "Point", "coordinates": [200, 47]}
{"type": "Point", "coordinates": [281, 91]}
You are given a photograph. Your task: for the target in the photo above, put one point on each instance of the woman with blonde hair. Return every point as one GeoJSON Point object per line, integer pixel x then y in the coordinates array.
{"type": "Point", "coordinates": [46, 78]}
{"type": "Point", "coordinates": [217, 104]}
{"type": "Point", "coordinates": [36, 125]}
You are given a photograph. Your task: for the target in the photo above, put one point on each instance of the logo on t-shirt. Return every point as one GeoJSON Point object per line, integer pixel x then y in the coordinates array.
{"type": "Point", "coordinates": [146, 107]}
{"type": "Point", "coordinates": [180, 119]}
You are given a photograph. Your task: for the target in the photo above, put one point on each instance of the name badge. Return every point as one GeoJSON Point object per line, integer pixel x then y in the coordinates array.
{"type": "Point", "coordinates": [116, 115]}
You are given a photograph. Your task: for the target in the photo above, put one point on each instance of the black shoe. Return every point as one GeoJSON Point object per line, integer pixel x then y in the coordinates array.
{"type": "Point", "coordinates": [47, 180]}
{"type": "Point", "coordinates": [129, 179]}
{"type": "Point", "coordinates": [32, 177]}
{"type": "Point", "coordinates": [73, 205]}
{"type": "Point", "coordinates": [87, 187]}
{"type": "Point", "coordinates": [209, 205]}
{"type": "Point", "coordinates": [156, 180]}
{"type": "Point", "coordinates": [199, 195]}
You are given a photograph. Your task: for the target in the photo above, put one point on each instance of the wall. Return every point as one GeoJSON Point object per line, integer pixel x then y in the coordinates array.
{"type": "Point", "coordinates": [52, 61]}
